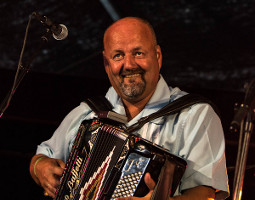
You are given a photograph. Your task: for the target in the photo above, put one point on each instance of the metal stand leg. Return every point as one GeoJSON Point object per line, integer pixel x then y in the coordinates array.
{"type": "Point", "coordinates": [244, 140]}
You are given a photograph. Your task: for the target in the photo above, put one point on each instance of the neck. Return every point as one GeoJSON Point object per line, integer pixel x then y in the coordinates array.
{"type": "Point", "coordinates": [134, 108]}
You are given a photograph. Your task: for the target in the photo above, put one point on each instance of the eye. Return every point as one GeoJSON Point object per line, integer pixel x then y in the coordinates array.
{"type": "Point", "coordinates": [117, 57]}
{"type": "Point", "coordinates": [139, 54]}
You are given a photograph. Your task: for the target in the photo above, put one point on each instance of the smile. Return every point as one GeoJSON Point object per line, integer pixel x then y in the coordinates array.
{"type": "Point", "coordinates": [132, 75]}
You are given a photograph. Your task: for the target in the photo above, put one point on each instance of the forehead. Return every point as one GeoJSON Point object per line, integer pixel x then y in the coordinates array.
{"type": "Point", "coordinates": [128, 32]}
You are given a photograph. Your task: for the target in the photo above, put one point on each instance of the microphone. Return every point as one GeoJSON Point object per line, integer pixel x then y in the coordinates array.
{"type": "Point", "coordinates": [59, 31]}
{"type": "Point", "coordinates": [248, 104]}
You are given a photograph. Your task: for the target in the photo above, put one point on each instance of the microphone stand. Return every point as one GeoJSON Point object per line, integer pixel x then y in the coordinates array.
{"type": "Point", "coordinates": [246, 129]}
{"type": "Point", "coordinates": [23, 70]}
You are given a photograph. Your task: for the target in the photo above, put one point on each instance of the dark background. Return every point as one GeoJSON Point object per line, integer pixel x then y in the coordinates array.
{"type": "Point", "coordinates": [208, 48]}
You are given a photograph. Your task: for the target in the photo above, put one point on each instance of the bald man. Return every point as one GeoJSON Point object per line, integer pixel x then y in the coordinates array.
{"type": "Point", "coordinates": [132, 61]}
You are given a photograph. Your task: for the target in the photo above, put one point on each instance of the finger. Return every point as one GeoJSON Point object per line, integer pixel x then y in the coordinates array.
{"type": "Point", "coordinates": [61, 163]}
{"type": "Point", "coordinates": [50, 190]}
{"type": "Point", "coordinates": [149, 181]}
{"type": "Point", "coordinates": [58, 171]}
{"type": "Point", "coordinates": [55, 182]}
{"type": "Point", "coordinates": [45, 193]}
{"type": "Point", "coordinates": [52, 177]}
{"type": "Point", "coordinates": [147, 197]}
{"type": "Point", "coordinates": [126, 198]}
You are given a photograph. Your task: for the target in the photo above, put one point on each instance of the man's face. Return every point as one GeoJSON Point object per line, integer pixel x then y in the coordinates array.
{"type": "Point", "coordinates": [132, 59]}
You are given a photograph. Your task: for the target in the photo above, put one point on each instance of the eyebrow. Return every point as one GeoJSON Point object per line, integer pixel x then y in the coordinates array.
{"type": "Point", "coordinates": [117, 50]}
{"type": "Point", "coordinates": [138, 48]}
{"type": "Point", "coordinates": [121, 51]}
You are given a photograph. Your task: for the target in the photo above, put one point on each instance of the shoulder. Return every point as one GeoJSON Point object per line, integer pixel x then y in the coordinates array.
{"type": "Point", "coordinates": [76, 116]}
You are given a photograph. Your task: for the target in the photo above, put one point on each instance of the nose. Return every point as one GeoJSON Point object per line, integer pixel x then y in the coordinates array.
{"type": "Point", "coordinates": [129, 62]}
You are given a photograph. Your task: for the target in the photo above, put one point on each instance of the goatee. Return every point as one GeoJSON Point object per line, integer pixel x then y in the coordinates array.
{"type": "Point", "coordinates": [134, 88]}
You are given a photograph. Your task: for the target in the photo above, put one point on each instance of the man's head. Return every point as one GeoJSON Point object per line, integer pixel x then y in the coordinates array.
{"type": "Point", "coordinates": [132, 58]}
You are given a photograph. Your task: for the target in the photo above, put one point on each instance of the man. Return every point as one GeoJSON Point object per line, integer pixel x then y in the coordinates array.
{"type": "Point", "coordinates": [133, 60]}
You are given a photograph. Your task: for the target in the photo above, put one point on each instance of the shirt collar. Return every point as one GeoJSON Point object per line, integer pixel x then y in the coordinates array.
{"type": "Point", "coordinates": [160, 98]}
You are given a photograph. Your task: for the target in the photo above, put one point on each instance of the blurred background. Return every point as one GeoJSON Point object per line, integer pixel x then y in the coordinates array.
{"type": "Point", "coordinates": [208, 48]}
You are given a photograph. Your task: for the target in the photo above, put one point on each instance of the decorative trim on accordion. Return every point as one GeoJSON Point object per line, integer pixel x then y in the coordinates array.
{"type": "Point", "coordinates": [92, 188]}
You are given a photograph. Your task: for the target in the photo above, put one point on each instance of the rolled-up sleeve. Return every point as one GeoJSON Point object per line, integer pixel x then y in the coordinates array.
{"type": "Point", "coordinates": [60, 144]}
{"type": "Point", "coordinates": [203, 146]}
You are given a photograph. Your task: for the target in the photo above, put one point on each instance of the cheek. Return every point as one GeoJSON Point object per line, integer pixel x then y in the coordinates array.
{"type": "Point", "coordinates": [152, 72]}
{"type": "Point", "coordinates": [113, 74]}
{"type": "Point", "coordinates": [151, 67]}
{"type": "Point", "coordinates": [114, 68]}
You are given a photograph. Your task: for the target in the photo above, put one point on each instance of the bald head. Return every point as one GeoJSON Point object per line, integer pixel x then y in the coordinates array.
{"type": "Point", "coordinates": [132, 59]}
{"type": "Point", "coordinates": [133, 23]}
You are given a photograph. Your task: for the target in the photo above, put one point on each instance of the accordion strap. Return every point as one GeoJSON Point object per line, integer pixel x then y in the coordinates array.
{"type": "Point", "coordinates": [100, 103]}
{"type": "Point", "coordinates": [172, 108]}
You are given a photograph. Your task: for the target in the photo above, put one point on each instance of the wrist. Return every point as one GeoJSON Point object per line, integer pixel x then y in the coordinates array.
{"type": "Point", "coordinates": [36, 162]}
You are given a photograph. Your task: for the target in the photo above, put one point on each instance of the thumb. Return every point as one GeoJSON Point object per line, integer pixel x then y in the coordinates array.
{"type": "Point", "coordinates": [149, 181]}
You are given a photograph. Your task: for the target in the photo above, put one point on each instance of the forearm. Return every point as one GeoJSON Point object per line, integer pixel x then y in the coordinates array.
{"type": "Point", "coordinates": [198, 193]}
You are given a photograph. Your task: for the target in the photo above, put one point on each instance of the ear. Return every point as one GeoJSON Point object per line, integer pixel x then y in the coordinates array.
{"type": "Point", "coordinates": [159, 56]}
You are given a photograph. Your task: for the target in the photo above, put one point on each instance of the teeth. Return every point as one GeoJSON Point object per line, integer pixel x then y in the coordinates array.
{"type": "Point", "coordinates": [132, 75]}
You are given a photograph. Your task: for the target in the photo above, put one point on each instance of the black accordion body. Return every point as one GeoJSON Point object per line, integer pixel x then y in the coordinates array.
{"type": "Point", "coordinates": [106, 162]}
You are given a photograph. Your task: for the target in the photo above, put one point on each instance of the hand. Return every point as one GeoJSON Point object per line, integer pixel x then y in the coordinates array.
{"type": "Point", "coordinates": [150, 184]}
{"type": "Point", "coordinates": [49, 172]}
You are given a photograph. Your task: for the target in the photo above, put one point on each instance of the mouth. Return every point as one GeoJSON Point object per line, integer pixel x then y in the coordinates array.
{"type": "Point", "coordinates": [131, 75]}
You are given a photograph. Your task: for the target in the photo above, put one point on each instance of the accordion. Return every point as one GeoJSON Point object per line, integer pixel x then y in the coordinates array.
{"type": "Point", "coordinates": [106, 162]}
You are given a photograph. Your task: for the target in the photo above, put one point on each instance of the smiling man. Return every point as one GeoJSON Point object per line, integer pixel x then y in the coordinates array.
{"type": "Point", "coordinates": [132, 60]}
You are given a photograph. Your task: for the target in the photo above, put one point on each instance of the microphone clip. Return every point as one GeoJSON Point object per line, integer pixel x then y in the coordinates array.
{"type": "Point", "coordinates": [59, 31]}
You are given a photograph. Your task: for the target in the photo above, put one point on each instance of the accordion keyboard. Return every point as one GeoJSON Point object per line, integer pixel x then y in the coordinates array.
{"type": "Point", "coordinates": [132, 174]}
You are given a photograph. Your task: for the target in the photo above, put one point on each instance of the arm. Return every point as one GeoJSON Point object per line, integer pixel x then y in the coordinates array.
{"type": "Point", "coordinates": [198, 193]}
{"type": "Point", "coordinates": [46, 172]}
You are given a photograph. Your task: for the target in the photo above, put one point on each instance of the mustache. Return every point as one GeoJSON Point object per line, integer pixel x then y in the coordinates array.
{"type": "Point", "coordinates": [127, 72]}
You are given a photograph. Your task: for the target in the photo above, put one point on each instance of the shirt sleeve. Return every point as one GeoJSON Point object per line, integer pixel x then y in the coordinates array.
{"type": "Point", "coordinates": [204, 149]}
{"type": "Point", "coordinates": [60, 144]}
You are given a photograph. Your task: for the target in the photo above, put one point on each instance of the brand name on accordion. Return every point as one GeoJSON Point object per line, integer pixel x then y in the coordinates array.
{"type": "Point", "coordinates": [73, 182]}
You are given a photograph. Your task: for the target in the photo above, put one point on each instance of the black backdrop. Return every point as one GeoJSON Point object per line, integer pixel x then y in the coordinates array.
{"type": "Point", "coordinates": [208, 48]}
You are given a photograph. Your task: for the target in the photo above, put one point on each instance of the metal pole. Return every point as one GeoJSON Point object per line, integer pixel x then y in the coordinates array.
{"type": "Point", "coordinates": [242, 158]}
